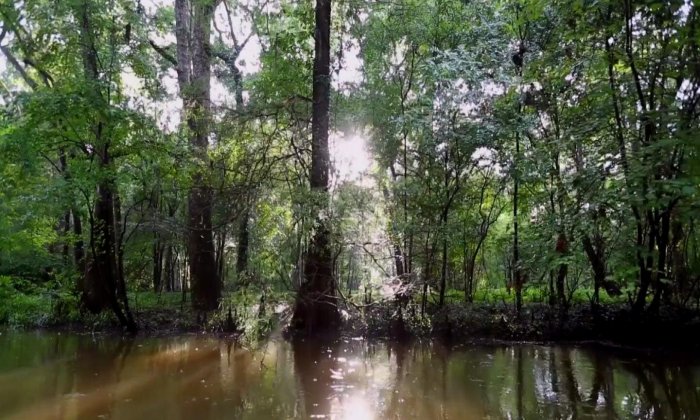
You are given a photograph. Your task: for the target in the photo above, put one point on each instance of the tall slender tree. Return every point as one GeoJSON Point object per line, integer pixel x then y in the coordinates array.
{"type": "Point", "coordinates": [316, 308]}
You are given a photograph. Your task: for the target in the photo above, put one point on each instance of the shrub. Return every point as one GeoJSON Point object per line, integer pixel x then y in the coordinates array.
{"type": "Point", "coordinates": [25, 305]}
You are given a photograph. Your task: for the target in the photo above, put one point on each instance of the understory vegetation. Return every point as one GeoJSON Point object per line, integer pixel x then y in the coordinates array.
{"type": "Point", "coordinates": [516, 169]}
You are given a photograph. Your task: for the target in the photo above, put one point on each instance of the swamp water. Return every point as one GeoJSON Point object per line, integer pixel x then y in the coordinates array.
{"type": "Point", "coordinates": [59, 376]}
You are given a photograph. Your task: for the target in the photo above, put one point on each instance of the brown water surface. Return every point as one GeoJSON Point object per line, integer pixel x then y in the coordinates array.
{"type": "Point", "coordinates": [53, 376]}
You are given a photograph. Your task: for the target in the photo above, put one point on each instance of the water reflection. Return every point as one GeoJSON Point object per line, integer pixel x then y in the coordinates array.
{"type": "Point", "coordinates": [65, 377]}
{"type": "Point", "coordinates": [316, 367]}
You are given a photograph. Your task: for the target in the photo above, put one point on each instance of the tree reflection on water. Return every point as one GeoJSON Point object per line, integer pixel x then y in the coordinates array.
{"type": "Point", "coordinates": [65, 377]}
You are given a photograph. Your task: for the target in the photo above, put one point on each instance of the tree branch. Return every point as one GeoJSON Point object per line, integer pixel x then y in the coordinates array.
{"type": "Point", "coordinates": [163, 52]}
{"type": "Point", "coordinates": [18, 67]}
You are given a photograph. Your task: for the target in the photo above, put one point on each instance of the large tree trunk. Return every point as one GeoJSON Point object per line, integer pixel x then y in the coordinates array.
{"type": "Point", "coordinates": [101, 265]}
{"type": "Point", "coordinates": [194, 78]}
{"type": "Point", "coordinates": [102, 286]}
{"type": "Point", "coordinates": [316, 307]}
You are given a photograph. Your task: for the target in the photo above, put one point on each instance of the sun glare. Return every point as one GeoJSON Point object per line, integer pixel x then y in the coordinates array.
{"type": "Point", "coordinates": [356, 407]}
{"type": "Point", "coordinates": [350, 157]}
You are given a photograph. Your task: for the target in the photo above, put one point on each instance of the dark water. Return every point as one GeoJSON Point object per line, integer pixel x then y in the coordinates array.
{"type": "Point", "coordinates": [45, 376]}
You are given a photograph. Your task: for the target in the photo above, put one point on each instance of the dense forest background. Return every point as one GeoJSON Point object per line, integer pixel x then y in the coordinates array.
{"type": "Point", "coordinates": [407, 153]}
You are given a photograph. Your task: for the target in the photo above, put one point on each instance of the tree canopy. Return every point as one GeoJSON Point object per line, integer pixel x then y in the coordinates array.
{"type": "Point", "coordinates": [420, 152]}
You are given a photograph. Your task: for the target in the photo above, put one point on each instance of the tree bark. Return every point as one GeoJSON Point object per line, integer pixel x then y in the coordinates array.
{"type": "Point", "coordinates": [157, 264]}
{"type": "Point", "coordinates": [400, 262]}
{"type": "Point", "coordinates": [597, 261]}
{"type": "Point", "coordinates": [168, 269]}
{"type": "Point", "coordinates": [443, 273]}
{"type": "Point", "coordinates": [470, 268]}
{"type": "Point", "coordinates": [194, 77]}
{"type": "Point", "coordinates": [562, 250]}
{"type": "Point", "coordinates": [243, 241]}
{"type": "Point", "coordinates": [78, 245]}
{"type": "Point", "coordinates": [102, 283]}
{"type": "Point", "coordinates": [316, 306]}
{"type": "Point", "coordinates": [517, 278]}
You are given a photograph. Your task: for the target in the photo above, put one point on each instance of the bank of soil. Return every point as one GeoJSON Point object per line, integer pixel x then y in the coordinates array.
{"type": "Point", "coordinates": [670, 327]}
{"type": "Point", "coordinates": [456, 322]}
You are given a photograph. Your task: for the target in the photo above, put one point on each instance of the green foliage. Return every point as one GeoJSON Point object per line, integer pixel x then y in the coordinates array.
{"type": "Point", "coordinates": [589, 108]}
{"type": "Point", "coordinates": [252, 314]}
{"type": "Point", "coordinates": [23, 304]}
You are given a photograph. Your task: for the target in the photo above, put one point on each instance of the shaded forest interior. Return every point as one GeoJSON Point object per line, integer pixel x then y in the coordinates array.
{"type": "Point", "coordinates": [518, 169]}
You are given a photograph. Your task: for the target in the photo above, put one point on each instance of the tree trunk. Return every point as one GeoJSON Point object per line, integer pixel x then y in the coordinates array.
{"type": "Point", "coordinates": [194, 78]}
{"type": "Point", "coordinates": [645, 266]}
{"type": "Point", "coordinates": [517, 272]}
{"type": "Point", "coordinates": [122, 297]}
{"type": "Point", "coordinates": [443, 274]}
{"type": "Point", "coordinates": [408, 255]}
{"type": "Point", "coordinates": [428, 270]}
{"type": "Point", "coordinates": [220, 255]}
{"type": "Point", "coordinates": [102, 285]}
{"type": "Point", "coordinates": [596, 258]}
{"type": "Point", "coordinates": [562, 250]}
{"type": "Point", "coordinates": [445, 215]}
{"type": "Point", "coordinates": [678, 263]}
{"type": "Point", "coordinates": [661, 272]}
{"type": "Point", "coordinates": [168, 281]}
{"type": "Point", "coordinates": [157, 264]}
{"type": "Point", "coordinates": [78, 246]}
{"type": "Point", "coordinates": [465, 270]}
{"type": "Point", "coordinates": [400, 262]}
{"type": "Point", "coordinates": [561, 286]}
{"type": "Point", "coordinates": [64, 221]}
{"type": "Point", "coordinates": [516, 248]}
{"type": "Point", "coordinates": [243, 243]}
{"type": "Point", "coordinates": [552, 294]}
{"type": "Point", "coordinates": [316, 308]}
{"type": "Point", "coordinates": [426, 280]}
{"type": "Point", "coordinates": [471, 265]}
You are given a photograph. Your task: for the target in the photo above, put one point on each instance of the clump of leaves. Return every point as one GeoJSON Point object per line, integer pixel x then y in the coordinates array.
{"type": "Point", "coordinates": [24, 304]}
